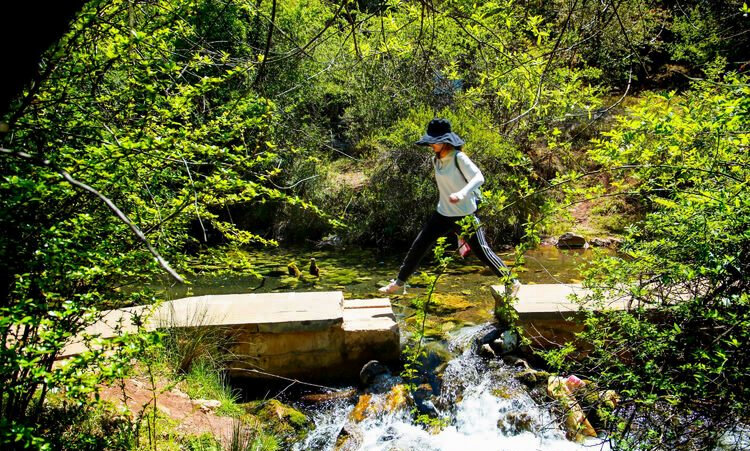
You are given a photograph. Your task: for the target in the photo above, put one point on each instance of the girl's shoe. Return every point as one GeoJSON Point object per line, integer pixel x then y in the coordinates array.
{"type": "Point", "coordinates": [392, 287]}
{"type": "Point", "coordinates": [515, 286]}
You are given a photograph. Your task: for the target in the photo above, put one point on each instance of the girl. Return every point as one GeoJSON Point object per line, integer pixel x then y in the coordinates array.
{"type": "Point", "coordinates": [457, 179]}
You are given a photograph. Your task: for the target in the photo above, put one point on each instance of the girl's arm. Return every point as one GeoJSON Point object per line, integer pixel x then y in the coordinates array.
{"type": "Point", "coordinates": [471, 172]}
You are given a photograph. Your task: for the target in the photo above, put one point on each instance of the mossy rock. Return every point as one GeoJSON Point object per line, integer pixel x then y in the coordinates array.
{"type": "Point", "coordinates": [442, 303]}
{"type": "Point", "coordinates": [286, 422]}
{"type": "Point", "coordinates": [420, 280]}
{"type": "Point", "coordinates": [505, 392]}
{"type": "Point", "coordinates": [598, 404]}
{"type": "Point", "coordinates": [466, 269]}
{"type": "Point", "coordinates": [437, 328]}
{"type": "Point", "coordinates": [369, 405]}
{"type": "Point", "coordinates": [532, 378]}
{"type": "Point", "coordinates": [340, 276]}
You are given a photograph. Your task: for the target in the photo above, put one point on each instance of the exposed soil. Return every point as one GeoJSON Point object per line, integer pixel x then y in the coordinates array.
{"type": "Point", "coordinates": [581, 213]}
{"type": "Point", "coordinates": [191, 417]}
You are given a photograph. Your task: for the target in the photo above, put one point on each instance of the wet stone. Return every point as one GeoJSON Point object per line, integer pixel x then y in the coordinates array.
{"type": "Point", "coordinates": [516, 423]}
{"type": "Point", "coordinates": [371, 371]}
{"type": "Point", "coordinates": [507, 343]}
{"type": "Point", "coordinates": [350, 438]}
{"type": "Point", "coordinates": [531, 377]}
{"type": "Point", "coordinates": [571, 240]}
{"type": "Point", "coordinates": [486, 351]}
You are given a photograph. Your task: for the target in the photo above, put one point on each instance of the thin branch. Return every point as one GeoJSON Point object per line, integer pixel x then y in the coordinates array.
{"type": "Point", "coordinates": [120, 215]}
{"type": "Point", "coordinates": [297, 381]}
{"type": "Point", "coordinates": [195, 200]}
{"type": "Point", "coordinates": [627, 38]}
{"type": "Point", "coordinates": [261, 71]}
{"type": "Point", "coordinates": [294, 184]}
{"type": "Point", "coordinates": [546, 68]}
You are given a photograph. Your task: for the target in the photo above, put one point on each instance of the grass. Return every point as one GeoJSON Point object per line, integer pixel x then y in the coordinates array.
{"type": "Point", "coordinates": [205, 381]}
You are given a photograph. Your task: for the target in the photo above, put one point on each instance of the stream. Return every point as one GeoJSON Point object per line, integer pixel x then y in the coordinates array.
{"type": "Point", "coordinates": [482, 406]}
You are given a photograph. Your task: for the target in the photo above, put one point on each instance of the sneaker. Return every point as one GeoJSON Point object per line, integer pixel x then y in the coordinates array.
{"type": "Point", "coordinates": [515, 287]}
{"type": "Point", "coordinates": [392, 287]}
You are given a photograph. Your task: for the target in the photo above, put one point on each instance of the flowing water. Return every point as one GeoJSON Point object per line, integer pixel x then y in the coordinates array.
{"type": "Point", "coordinates": [481, 404]}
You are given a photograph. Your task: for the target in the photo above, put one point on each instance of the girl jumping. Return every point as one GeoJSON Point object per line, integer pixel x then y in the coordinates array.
{"type": "Point", "coordinates": [457, 179]}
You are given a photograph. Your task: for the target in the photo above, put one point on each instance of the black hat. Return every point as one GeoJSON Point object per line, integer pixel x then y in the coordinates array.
{"type": "Point", "coordinates": [439, 131]}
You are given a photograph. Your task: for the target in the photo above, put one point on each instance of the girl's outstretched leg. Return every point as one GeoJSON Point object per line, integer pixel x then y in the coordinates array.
{"type": "Point", "coordinates": [437, 226]}
{"type": "Point", "coordinates": [481, 248]}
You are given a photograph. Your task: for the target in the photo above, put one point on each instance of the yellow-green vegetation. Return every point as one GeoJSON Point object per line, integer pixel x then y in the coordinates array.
{"type": "Point", "coordinates": [443, 303]}
{"type": "Point", "coordinates": [154, 140]}
{"type": "Point", "coordinates": [284, 422]}
{"type": "Point", "coordinates": [204, 381]}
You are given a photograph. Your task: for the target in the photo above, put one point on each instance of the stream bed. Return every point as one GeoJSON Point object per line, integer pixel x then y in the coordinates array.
{"type": "Point", "coordinates": [478, 401]}
{"type": "Point", "coordinates": [481, 403]}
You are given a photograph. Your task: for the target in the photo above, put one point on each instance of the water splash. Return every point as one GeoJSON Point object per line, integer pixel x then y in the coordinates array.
{"type": "Point", "coordinates": [485, 408]}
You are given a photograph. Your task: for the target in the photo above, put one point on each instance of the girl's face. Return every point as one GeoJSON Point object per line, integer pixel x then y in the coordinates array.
{"type": "Point", "coordinates": [438, 147]}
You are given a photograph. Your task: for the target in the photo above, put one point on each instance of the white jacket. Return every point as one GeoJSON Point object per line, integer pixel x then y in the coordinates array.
{"type": "Point", "coordinates": [450, 181]}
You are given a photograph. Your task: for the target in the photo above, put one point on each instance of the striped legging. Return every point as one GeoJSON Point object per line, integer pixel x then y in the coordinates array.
{"type": "Point", "coordinates": [439, 225]}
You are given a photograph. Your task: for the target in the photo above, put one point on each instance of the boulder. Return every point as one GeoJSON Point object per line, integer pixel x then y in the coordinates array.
{"type": "Point", "coordinates": [516, 361]}
{"type": "Point", "coordinates": [507, 343]}
{"type": "Point", "coordinates": [370, 405]}
{"type": "Point", "coordinates": [570, 240]}
{"type": "Point", "coordinates": [600, 242]}
{"type": "Point", "coordinates": [372, 371]}
{"type": "Point", "coordinates": [423, 400]}
{"type": "Point", "coordinates": [576, 425]}
{"type": "Point", "coordinates": [284, 421]}
{"type": "Point", "coordinates": [492, 335]}
{"type": "Point", "coordinates": [486, 351]}
{"type": "Point", "coordinates": [517, 422]}
{"type": "Point", "coordinates": [350, 438]}
{"type": "Point", "coordinates": [598, 404]}
{"type": "Point", "coordinates": [360, 410]}
{"type": "Point", "coordinates": [609, 241]}
{"type": "Point", "coordinates": [531, 377]}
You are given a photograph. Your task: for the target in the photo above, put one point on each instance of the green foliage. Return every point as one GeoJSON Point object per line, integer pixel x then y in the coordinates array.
{"type": "Point", "coordinates": [137, 104]}
{"type": "Point", "coordinates": [205, 381]}
{"type": "Point", "coordinates": [680, 350]}
{"type": "Point", "coordinates": [414, 352]}
{"type": "Point", "coordinates": [240, 122]}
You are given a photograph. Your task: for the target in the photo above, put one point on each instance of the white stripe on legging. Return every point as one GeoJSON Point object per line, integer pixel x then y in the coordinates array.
{"type": "Point", "coordinates": [488, 252]}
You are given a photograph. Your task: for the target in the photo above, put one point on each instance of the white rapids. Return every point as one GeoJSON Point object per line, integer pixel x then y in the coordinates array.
{"type": "Point", "coordinates": [478, 419]}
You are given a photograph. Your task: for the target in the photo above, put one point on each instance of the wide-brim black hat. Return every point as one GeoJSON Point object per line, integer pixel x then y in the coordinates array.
{"type": "Point", "coordinates": [439, 131]}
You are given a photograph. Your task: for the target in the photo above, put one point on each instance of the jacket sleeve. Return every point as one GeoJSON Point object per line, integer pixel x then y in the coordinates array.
{"type": "Point", "coordinates": [471, 172]}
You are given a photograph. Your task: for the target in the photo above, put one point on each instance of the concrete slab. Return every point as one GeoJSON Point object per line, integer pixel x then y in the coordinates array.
{"type": "Point", "coordinates": [366, 303]}
{"type": "Point", "coordinates": [546, 314]}
{"type": "Point", "coordinates": [271, 312]}
{"type": "Point", "coordinates": [268, 312]}
{"type": "Point", "coordinates": [370, 332]}
{"type": "Point", "coordinates": [258, 344]}
{"type": "Point", "coordinates": [312, 335]}
{"type": "Point", "coordinates": [550, 301]}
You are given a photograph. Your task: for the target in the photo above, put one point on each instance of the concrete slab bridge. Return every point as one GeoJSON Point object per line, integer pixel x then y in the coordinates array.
{"type": "Point", "coordinates": [309, 335]}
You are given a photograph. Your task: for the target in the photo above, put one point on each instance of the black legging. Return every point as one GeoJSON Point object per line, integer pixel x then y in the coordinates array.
{"type": "Point", "coordinates": [439, 225]}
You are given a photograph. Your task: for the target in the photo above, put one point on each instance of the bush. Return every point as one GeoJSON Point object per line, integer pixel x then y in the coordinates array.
{"type": "Point", "coordinates": [682, 350]}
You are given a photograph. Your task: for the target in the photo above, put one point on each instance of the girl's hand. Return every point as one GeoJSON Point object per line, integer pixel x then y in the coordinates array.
{"type": "Point", "coordinates": [455, 198]}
